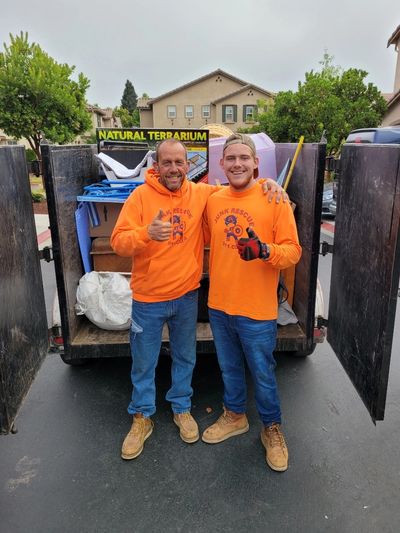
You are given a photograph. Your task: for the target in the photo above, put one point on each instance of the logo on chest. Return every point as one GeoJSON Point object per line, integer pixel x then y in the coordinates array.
{"type": "Point", "coordinates": [233, 230]}
{"type": "Point", "coordinates": [178, 228]}
{"type": "Point", "coordinates": [180, 222]}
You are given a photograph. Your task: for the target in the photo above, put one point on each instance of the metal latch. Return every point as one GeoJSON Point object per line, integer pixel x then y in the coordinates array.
{"type": "Point", "coordinates": [322, 322]}
{"type": "Point", "coordinates": [326, 248]}
{"type": "Point", "coordinates": [46, 254]}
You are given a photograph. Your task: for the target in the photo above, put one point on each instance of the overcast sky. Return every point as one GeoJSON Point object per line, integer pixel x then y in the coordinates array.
{"type": "Point", "coordinates": [159, 45]}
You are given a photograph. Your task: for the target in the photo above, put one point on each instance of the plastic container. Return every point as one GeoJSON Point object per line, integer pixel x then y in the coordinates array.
{"type": "Point", "coordinates": [265, 151]}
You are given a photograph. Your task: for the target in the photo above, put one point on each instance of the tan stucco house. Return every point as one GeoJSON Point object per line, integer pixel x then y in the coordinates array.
{"type": "Point", "coordinates": [101, 118]}
{"type": "Point", "coordinates": [392, 115]}
{"type": "Point", "coordinates": [217, 97]}
{"type": "Point", "coordinates": [6, 139]}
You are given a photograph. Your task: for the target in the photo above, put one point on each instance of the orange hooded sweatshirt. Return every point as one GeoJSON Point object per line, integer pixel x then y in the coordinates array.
{"type": "Point", "coordinates": [169, 269]}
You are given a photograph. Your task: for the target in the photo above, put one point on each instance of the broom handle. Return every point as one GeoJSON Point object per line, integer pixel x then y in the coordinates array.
{"type": "Point", "coordinates": [299, 146]}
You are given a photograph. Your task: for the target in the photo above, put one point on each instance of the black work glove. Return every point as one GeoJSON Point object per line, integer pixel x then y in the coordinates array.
{"type": "Point", "coordinates": [252, 248]}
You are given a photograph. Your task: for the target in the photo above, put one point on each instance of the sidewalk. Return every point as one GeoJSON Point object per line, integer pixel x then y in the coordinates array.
{"type": "Point", "coordinates": [42, 231]}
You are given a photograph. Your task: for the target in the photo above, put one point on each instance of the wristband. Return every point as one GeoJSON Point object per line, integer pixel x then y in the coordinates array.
{"type": "Point", "coordinates": [264, 251]}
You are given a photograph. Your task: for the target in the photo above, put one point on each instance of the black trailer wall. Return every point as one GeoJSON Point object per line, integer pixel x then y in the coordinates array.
{"type": "Point", "coordinates": [23, 323]}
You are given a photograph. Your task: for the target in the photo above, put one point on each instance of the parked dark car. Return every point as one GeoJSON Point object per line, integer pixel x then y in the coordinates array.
{"type": "Point", "coordinates": [332, 208]}
{"type": "Point", "coordinates": [328, 197]}
{"type": "Point", "coordinates": [385, 135]}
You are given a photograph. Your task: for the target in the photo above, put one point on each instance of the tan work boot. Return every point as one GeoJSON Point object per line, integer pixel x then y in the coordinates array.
{"type": "Point", "coordinates": [276, 450]}
{"type": "Point", "coordinates": [228, 425]}
{"type": "Point", "coordinates": [141, 430]}
{"type": "Point", "coordinates": [188, 428]}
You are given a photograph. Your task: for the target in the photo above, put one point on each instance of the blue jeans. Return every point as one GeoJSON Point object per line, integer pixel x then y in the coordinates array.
{"type": "Point", "coordinates": [239, 338]}
{"type": "Point", "coordinates": [148, 320]}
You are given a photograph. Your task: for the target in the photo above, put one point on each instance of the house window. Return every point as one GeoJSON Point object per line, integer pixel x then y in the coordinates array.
{"type": "Point", "coordinates": [188, 111]}
{"type": "Point", "coordinates": [171, 111]}
{"type": "Point", "coordinates": [205, 111]}
{"type": "Point", "coordinates": [229, 113]}
{"type": "Point", "coordinates": [249, 113]}
{"type": "Point", "coordinates": [98, 121]}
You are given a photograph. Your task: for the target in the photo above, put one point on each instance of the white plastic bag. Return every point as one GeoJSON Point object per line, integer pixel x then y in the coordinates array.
{"type": "Point", "coordinates": [106, 299]}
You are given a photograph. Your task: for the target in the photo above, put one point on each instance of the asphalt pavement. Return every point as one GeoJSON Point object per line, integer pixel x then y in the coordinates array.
{"type": "Point", "coordinates": [62, 471]}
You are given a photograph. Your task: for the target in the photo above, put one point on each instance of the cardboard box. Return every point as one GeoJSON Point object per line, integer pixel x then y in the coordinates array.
{"type": "Point", "coordinates": [108, 213]}
{"type": "Point", "coordinates": [104, 258]}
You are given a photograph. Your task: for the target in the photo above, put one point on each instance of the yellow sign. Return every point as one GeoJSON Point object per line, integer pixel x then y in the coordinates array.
{"type": "Point", "coordinates": [150, 135]}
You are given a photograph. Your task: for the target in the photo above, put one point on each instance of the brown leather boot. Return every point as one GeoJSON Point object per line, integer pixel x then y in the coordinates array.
{"type": "Point", "coordinates": [189, 430]}
{"type": "Point", "coordinates": [228, 425]}
{"type": "Point", "coordinates": [141, 430]}
{"type": "Point", "coordinates": [276, 455]}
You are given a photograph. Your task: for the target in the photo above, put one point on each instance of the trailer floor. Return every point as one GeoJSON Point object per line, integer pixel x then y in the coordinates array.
{"type": "Point", "coordinates": [62, 472]}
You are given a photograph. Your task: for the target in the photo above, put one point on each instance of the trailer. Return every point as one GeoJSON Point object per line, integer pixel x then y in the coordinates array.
{"type": "Point", "coordinates": [364, 280]}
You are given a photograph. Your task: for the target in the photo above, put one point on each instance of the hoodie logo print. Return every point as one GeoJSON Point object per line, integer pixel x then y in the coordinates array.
{"type": "Point", "coordinates": [178, 228]}
{"type": "Point", "coordinates": [233, 230]}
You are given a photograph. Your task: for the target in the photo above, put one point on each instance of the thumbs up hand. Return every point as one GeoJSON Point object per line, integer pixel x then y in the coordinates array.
{"type": "Point", "coordinates": [252, 248]}
{"type": "Point", "coordinates": [159, 230]}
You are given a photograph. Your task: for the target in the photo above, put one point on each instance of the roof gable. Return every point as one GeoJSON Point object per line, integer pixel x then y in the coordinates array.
{"type": "Point", "coordinates": [242, 89]}
{"type": "Point", "coordinates": [217, 72]}
{"type": "Point", "coordinates": [395, 97]}
{"type": "Point", "coordinates": [394, 37]}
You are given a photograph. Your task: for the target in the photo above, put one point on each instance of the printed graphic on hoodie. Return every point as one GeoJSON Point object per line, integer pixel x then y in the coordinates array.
{"type": "Point", "coordinates": [233, 230]}
{"type": "Point", "coordinates": [179, 221]}
{"type": "Point", "coordinates": [178, 228]}
{"type": "Point", "coordinates": [235, 221]}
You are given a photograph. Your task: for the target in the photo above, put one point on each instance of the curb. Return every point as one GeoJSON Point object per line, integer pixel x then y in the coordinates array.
{"type": "Point", "coordinates": [328, 229]}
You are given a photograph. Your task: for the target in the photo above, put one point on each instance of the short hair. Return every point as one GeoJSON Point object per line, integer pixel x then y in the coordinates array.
{"type": "Point", "coordinates": [157, 152]}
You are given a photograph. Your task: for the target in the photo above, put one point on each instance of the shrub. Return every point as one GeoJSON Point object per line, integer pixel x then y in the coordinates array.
{"type": "Point", "coordinates": [37, 197]}
{"type": "Point", "coordinates": [30, 155]}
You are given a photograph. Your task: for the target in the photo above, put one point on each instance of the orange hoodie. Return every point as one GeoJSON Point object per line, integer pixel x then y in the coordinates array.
{"type": "Point", "coordinates": [248, 288]}
{"type": "Point", "coordinates": [169, 269]}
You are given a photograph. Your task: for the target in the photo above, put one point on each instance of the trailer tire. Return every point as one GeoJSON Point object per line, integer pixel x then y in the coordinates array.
{"type": "Point", "coordinates": [75, 362]}
{"type": "Point", "coordinates": [303, 353]}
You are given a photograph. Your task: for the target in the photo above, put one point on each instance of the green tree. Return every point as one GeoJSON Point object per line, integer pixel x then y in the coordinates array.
{"type": "Point", "coordinates": [38, 98]}
{"type": "Point", "coordinates": [136, 117]}
{"type": "Point", "coordinates": [328, 68]}
{"type": "Point", "coordinates": [128, 112]}
{"type": "Point", "coordinates": [332, 100]}
{"type": "Point", "coordinates": [129, 97]}
{"type": "Point", "coordinates": [128, 120]}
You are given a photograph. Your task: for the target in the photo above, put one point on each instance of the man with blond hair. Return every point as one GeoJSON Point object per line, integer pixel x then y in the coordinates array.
{"type": "Point", "coordinates": [250, 242]}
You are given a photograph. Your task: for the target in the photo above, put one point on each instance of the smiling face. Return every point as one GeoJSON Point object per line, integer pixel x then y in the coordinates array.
{"type": "Point", "coordinates": [172, 164]}
{"type": "Point", "coordinates": [239, 164]}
